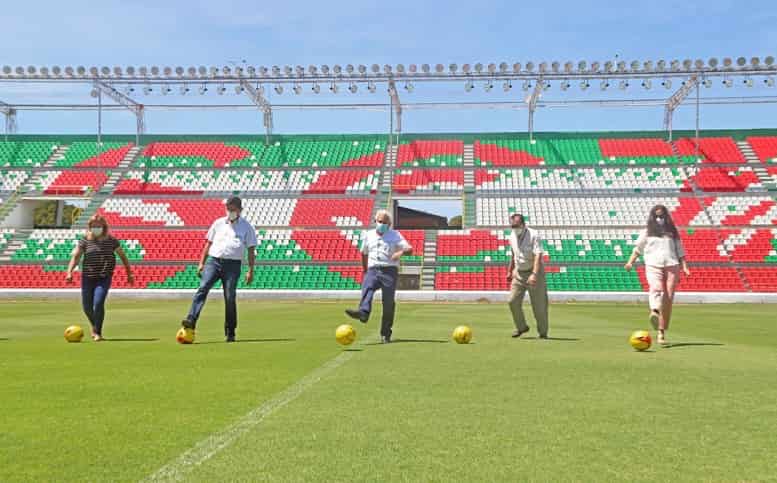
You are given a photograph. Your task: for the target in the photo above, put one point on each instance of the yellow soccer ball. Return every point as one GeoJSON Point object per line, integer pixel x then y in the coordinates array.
{"type": "Point", "coordinates": [185, 336]}
{"type": "Point", "coordinates": [640, 340]}
{"type": "Point", "coordinates": [74, 333]}
{"type": "Point", "coordinates": [462, 334]}
{"type": "Point", "coordinates": [345, 334]}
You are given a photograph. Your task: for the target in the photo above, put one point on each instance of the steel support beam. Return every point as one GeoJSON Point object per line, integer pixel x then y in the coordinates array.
{"type": "Point", "coordinates": [531, 105]}
{"type": "Point", "coordinates": [396, 109]}
{"type": "Point", "coordinates": [125, 101]}
{"type": "Point", "coordinates": [10, 118]}
{"type": "Point", "coordinates": [512, 105]}
{"type": "Point", "coordinates": [259, 100]}
{"type": "Point", "coordinates": [675, 100]}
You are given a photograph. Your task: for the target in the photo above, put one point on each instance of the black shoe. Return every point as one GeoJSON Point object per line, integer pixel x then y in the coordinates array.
{"type": "Point", "coordinates": [357, 314]}
{"type": "Point", "coordinates": [385, 339]}
{"type": "Point", "coordinates": [231, 338]}
{"type": "Point", "coordinates": [187, 324]}
{"type": "Point", "coordinates": [544, 336]}
{"type": "Point", "coordinates": [517, 333]}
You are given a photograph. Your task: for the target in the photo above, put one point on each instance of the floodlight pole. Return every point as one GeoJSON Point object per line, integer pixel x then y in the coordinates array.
{"type": "Point", "coordinates": [675, 100]}
{"type": "Point", "coordinates": [99, 118]}
{"type": "Point", "coordinates": [10, 118]}
{"type": "Point", "coordinates": [531, 104]}
{"type": "Point", "coordinates": [697, 121]}
{"type": "Point", "coordinates": [396, 109]}
{"type": "Point", "coordinates": [264, 106]}
{"type": "Point", "coordinates": [122, 99]}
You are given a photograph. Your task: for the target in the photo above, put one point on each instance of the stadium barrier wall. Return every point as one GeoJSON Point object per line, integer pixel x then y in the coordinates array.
{"type": "Point", "coordinates": [404, 295]}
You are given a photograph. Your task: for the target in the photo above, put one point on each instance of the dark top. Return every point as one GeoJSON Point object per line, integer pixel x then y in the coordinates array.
{"type": "Point", "coordinates": [99, 257]}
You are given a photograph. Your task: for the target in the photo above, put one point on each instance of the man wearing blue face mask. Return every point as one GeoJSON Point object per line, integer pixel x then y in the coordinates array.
{"type": "Point", "coordinates": [222, 256]}
{"type": "Point", "coordinates": [381, 250]}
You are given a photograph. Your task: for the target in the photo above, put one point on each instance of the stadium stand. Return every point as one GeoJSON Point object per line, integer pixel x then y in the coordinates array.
{"type": "Point", "coordinates": [82, 154]}
{"type": "Point", "coordinates": [25, 154]}
{"type": "Point", "coordinates": [765, 147]}
{"type": "Point", "coordinates": [311, 198]}
{"type": "Point", "coordinates": [431, 154]}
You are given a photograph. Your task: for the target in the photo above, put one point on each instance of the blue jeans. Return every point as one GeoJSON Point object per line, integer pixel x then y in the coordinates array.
{"type": "Point", "coordinates": [228, 271]}
{"type": "Point", "coordinates": [94, 291]}
{"type": "Point", "coordinates": [384, 278]}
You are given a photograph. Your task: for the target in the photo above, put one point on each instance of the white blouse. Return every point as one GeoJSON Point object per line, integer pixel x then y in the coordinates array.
{"type": "Point", "coordinates": [659, 251]}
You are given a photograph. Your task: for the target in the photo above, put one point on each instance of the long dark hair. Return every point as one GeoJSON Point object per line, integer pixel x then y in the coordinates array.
{"type": "Point", "coordinates": [654, 229]}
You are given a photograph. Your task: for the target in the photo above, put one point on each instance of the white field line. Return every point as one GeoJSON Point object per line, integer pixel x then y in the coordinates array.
{"type": "Point", "coordinates": [201, 452]}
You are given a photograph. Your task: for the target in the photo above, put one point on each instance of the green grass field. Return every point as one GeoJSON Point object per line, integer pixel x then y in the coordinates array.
{"type": "Point", "coordinates": [583, 407]}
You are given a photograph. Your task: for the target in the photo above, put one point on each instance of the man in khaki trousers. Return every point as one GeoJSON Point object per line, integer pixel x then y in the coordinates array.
{"type": "Point", "coordinates": [527, 273]}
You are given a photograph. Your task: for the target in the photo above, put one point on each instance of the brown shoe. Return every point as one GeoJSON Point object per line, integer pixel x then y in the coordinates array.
{"type": "Point", "coordinates": [517, 333]}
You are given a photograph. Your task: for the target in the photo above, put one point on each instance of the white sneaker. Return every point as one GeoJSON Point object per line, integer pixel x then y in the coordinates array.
{"type": "Point", "coordinates": [662, 338]}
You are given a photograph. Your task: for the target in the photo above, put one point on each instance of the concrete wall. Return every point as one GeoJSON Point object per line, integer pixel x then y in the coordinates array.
{"type": "Point", "coordinates": [22, 215]}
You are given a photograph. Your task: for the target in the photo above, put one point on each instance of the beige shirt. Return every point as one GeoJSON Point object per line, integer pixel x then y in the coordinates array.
{"type": "Point", "coordinates": [659, 251]}
{"type": "Point", "coordinates": [525, 248]}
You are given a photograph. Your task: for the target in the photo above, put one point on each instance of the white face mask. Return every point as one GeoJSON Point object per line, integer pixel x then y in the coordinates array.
{"type": "Point", "coordinates": [96, 230]}
{"type": "Point", "coordinates": [232, 215]}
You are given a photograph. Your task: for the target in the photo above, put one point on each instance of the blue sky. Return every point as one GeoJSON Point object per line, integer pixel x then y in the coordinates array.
{"type": "Point", "coordinates": [196, 33]}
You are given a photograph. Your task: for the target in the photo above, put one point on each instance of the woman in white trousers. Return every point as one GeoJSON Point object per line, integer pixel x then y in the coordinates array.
{"type": "Point", "coordinates": [664, 255]}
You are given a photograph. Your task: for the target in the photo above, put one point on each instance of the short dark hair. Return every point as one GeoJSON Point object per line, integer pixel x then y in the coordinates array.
{"type": "Point", "coordinates": [235, 202]}
{"type": "Point", "coordinates": [520, 216]}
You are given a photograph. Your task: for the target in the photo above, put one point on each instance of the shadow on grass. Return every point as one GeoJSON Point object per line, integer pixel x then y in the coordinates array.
{"type": "Point", "coordinates": [129, 340]}
{"type": "Point", "coordinates": [4, 338]}
{"type": "Point", "coordinates": [239, 341]}
{"type": "Point", "coordinates": [352, 350]}
{"type": "Point", "coordinates": [411, 341]}
{"type": "Point", "coordinates": [691, 344]}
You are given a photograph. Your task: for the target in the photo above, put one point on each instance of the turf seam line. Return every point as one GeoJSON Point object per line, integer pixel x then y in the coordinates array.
{"type": "Point", "coordinates": [201, 452]}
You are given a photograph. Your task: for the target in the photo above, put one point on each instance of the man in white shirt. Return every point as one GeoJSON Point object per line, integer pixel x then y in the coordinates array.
{"type": "Point", "coordinates": [527, 273]}
{"type": "Point", "coordinates": [221, 259]}
{"type": "Point", "coordinates": [381, 250]}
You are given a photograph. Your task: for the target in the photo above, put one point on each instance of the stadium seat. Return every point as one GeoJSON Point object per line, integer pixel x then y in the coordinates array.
{"type": "Point", "coordinates": [761, 279]}
{"type": "Point", "coordinates": [577, 152]}
{"type": "Point", "coordinates": [443, 180]}
{"type": "Point", "coordinates": [603, 211]}
{"type": "Point", "coordinates": [765, 147]}
{"type": "Point", "coordinates": [351, 181]}
{"type": "Point", "coordinates": [724, 179]}
{"type": "Point", "coordinates": [751, 245]}
{"type": "Point", "coordinates": [711, 150]}
{"type": "Point", "coordinates": [640, 179]}
{"type": "Point", "coordinates": [25, 154]}
{"type": "Point", "coordinates": [705, 279]}
{"type": "Point", "coordinates": [68, 182]}
{"type": "Point", "coordinates": [10, 180]}
{"type": "Point", "coordinates": [559, 278]}
{"type": "Point", "coordinates": [432, 153]}
{"type": "Point", "coordinates": [90, 154]}
{"type": "Point", "coordinates": [473, 246]}
{"type": "Point", "coordinates": [514, 152]}
{"type": "Point", "coordinates": [741, 210]}
{"type": "Point", "coordinates": [5, 235]}
{"type": "Point", "coordinates": [416, 240]}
